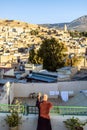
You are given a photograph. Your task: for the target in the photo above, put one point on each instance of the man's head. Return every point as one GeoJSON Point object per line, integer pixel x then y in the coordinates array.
{"type": "Point", "coordinates": [45, 97]}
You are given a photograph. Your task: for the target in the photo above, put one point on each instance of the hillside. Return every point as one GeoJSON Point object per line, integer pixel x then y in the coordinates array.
{"type": "Point", "coordinates": [16, 23]}
{"type": "Point", "coordinates": [79, 24]}
{"type": "Point", "coordinates": [18, 38]}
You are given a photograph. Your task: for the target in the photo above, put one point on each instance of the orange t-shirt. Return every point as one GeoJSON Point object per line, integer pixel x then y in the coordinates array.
{"type": "Point", "coordinates": [45, 107]}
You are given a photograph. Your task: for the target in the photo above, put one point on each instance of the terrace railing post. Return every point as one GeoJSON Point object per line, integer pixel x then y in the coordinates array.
{"type": "Point", "coordinates": [25, 109]}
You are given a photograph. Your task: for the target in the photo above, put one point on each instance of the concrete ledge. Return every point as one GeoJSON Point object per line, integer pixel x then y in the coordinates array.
{"type": "Point", "coordinates": [30, 122]}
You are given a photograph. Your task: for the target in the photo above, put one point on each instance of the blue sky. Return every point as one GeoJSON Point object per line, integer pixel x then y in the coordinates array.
{"type": "Point", "coordinates": [42, 11]}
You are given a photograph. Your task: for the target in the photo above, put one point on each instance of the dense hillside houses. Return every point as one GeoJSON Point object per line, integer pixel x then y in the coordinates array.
{"type": "Point", "coordinates": [16, 35]}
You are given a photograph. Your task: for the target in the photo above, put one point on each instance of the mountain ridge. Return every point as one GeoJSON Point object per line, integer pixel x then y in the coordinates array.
{"type": "Point", "coordinates": [79, 24]}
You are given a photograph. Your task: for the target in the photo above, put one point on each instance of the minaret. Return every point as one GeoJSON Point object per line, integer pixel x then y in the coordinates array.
{"type": "Point", "coordinates": [65, 28]}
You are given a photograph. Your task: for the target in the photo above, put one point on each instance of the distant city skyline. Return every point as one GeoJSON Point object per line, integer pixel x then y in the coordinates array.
{"type": "Point", "coordinates": [43, 11]}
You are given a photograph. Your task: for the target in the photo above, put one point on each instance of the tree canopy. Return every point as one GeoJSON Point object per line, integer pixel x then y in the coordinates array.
{"type": "Point", "coordinates": [51, 53]}
{"type": "Point", "coordinates": [32, 55]}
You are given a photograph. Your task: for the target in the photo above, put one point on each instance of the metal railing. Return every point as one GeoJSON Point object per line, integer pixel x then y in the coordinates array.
{"type": "Point", "coordinates": [57, 110]}
{"type": "Point", "coordinates": [61, 110]}
{"type": "Point", "coordinates": [69, 110]}
{"type": "Point", "coordinates": [5, 108]}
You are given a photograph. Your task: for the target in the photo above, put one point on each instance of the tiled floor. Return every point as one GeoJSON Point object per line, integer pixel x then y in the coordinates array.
{"type": "Point", "coordinates": [77, 100]}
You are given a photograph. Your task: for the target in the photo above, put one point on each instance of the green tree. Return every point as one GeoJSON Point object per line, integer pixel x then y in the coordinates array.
{"type": "Point", "coordinates": [32, 55]}
{"type": "Point", "coordinates": [83, 34]}
{"type": "Point", "coordinates": [51, 54]}
{"type": "Point", "coordinates": [74, 34]}
{"type": "Point", "coordinates": [34, 32]}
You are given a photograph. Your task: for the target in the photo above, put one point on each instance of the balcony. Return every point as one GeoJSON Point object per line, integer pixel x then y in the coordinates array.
{"type": "Point", "coordinates": [58, 114]}
{"type": "Point", "coordinates": [30, 116]}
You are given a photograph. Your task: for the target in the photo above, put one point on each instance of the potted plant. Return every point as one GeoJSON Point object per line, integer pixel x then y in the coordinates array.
{"type": "Point", "coordinates": [13, 120]}
{"type": "Point", "coordinates": [74, 124]}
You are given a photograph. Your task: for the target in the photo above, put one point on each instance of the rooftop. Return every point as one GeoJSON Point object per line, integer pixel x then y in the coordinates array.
{"type": "Point", "coordinates": [80, 99]}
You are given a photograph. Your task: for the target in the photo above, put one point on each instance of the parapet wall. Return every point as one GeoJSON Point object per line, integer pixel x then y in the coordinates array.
{"type": "Point", "coordinates": [30, 122]}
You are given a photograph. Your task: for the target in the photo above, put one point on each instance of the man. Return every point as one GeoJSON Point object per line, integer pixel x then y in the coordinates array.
{"type": "Point", "coordinates": [44, 117]}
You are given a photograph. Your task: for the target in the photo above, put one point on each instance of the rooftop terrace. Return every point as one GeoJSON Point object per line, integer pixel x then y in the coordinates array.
{"type": "Point", "coordinates": [61, 109]}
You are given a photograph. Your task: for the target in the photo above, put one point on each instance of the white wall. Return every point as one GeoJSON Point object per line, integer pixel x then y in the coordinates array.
{"type": "Point", "coordinates": [11, 92]}
{"type": "Point", "coordinates": [7, 93]}
{"type": "Point", "coordinates": [10, 72]}
{"type": "Point", "coordinates": [4, 99]}
{"type": "Point", "coordinates": [28, 88]}
{"type": "Point", "coordinates": [23, 90]}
